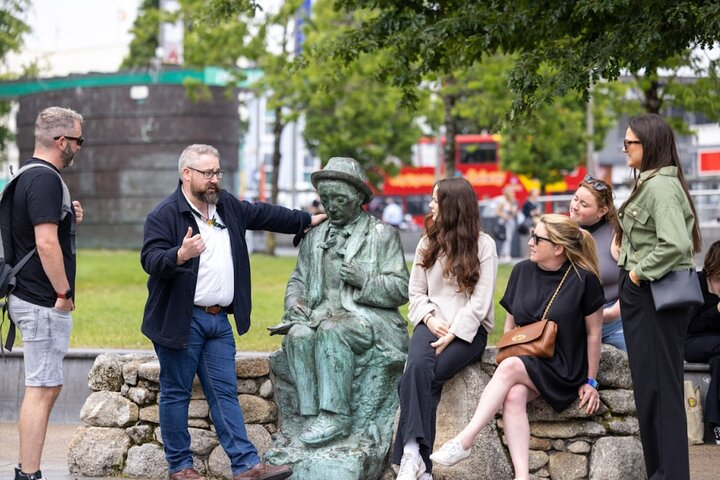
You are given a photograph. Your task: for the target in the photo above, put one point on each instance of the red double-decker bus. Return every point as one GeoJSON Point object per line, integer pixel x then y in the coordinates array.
{"type": "Point", "coordinates": [477, 158]}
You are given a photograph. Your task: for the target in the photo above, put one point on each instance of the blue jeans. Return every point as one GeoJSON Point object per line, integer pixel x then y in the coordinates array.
{"type": "Point", "coordinates": [210, 354]}
{"type": "Point", "coordinates": [613, 334]}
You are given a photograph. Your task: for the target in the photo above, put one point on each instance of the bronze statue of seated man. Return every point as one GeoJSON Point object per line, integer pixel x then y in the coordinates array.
{"type": "Point", "coordinates": [342, 310]}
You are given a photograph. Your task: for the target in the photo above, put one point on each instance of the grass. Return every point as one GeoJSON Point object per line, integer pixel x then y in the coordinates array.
{"type": "Point", "coordinates": [111, 294]}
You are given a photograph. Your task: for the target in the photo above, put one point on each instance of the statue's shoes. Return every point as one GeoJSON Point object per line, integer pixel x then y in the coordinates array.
{"type": "Point", "coordinates": [326, 428]}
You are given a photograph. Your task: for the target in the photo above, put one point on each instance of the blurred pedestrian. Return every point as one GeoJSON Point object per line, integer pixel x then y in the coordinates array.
{"type": "Point", "coordinates": [506, 211]}
{"type": "Point", "coordinates": [488, 215]}
{"type": "Point", "coordinates": [392, 213]}
{"type": "Point", "coordinates": [316, 207]}
{"type": "Point", "coordinates": [531, 211]}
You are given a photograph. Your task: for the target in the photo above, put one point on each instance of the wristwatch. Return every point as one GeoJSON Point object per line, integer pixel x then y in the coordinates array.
{"type": "Point", "coordinates": [67, 295]}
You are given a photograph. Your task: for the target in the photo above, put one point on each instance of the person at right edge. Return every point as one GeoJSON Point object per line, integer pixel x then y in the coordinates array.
{"type": "Point", "coordinates": [657, 234]}
{"type": "Point", "coordinates": [702, 344]}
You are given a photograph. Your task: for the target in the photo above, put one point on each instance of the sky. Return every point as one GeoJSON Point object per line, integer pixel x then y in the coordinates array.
{"type": "Point", "coordinates": [76, 36]}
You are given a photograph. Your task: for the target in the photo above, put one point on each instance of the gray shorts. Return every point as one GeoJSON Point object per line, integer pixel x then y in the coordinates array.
{"type": "Point", "coordinates": [46, 337]}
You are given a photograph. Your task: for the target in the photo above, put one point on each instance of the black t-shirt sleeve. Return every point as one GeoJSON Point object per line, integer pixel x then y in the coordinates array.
{"type": "Point", "coordinates": [593, 296]}
{"type": "Point", "coordinates": [44, 199]}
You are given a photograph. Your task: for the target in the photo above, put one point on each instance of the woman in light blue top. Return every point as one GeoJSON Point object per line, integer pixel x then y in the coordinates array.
{"type": "Point", "coordinates": [592, 207]}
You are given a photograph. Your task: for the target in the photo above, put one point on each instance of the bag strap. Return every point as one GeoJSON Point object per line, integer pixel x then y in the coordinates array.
{"type": "Point", "coordinates": [10, 340]}
{"type": "Point", "coordinates": [18, 266]}
{"type": "Point", "coordinates": [66, 200]}
{"type": "Point", "coordinates": [544, 316]}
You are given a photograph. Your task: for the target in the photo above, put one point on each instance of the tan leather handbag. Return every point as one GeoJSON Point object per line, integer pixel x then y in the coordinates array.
{"type": "Point", "coordinates": [536, 339]}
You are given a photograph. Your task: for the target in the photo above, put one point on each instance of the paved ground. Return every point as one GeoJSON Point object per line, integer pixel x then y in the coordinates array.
{"type": "Point", "coordinates": [703, 458]}
{"type": "Point", "coordinates": [54, 464]}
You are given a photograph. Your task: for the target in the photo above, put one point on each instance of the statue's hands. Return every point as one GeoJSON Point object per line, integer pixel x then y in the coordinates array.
{"type": "Point", "coordinates": [298, 313]}
{"type": "Point", "coordinates": [352, 274]}
{"type": "Point", "coordinates": [441, 343]}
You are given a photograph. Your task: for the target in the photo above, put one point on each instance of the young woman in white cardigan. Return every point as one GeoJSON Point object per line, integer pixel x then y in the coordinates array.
{"type": "Point", "coordinates": [451, 289]}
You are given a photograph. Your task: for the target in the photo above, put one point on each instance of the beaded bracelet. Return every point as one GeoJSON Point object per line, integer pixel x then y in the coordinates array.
{"type": "Point", "coordinates": [593, 383]}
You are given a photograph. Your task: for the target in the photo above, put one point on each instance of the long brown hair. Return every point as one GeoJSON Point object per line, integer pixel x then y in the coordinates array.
{"type": "Point", "coordinates": [578, 243]}
{"type": "Point", "coordinates": [659, 150]}
{"type": "Point", "coordinates": [454, 233]}
{"type": "Point", "coordinates": [711, 265]}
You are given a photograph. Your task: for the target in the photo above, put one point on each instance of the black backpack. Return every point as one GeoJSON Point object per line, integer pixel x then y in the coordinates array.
{"type": "Point", "coordinates": [8, 268]}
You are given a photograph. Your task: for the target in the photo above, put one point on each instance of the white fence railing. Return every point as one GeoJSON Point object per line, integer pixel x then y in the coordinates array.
{"type": "Point", "coordinates": [707, 204]}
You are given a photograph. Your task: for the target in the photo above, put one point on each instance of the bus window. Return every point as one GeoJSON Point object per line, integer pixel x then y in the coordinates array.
{"type": "Point", "coordinates": [478, 152]}
{"type": "Point", "coordinates": [417, 204]}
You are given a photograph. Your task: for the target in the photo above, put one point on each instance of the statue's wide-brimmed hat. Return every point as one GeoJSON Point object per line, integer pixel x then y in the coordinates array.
{"type": "Point", "coordinates": [344, 169]}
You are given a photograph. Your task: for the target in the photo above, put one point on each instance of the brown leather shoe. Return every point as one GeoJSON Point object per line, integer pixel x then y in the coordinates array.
{"type": "Point", "coordinates": [263, 471]}
{"type": "Point", "coordinates": [186, 474]}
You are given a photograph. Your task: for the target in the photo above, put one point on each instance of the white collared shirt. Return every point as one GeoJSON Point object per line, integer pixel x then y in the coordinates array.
{"type": "Point", "coordinates": [216, 275]}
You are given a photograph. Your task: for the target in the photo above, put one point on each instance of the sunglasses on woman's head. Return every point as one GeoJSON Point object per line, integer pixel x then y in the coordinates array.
{"type": "Point", "coordinates": [598, 185]}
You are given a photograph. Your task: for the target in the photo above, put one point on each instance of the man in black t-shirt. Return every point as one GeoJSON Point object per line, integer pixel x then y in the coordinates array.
{"type": "Point", "coordinates": [42, 301]}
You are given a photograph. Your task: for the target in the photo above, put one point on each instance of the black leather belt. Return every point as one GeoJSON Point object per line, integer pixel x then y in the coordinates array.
{"type": "Point", "coordinates": [212, 310]}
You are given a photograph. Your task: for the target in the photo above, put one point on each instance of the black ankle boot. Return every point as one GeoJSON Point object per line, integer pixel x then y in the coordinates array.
{"type": "Point", "coordinates": [20, 475]}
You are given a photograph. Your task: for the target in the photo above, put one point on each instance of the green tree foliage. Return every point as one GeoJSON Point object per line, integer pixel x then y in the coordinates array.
{"type": "Point", "coordinates": [145, 40]}
{"type": "Point", "coordinates": [689, 80]}
{"type": "Point", "coordinates": [349, 110]}
{"type": "Point", "coordinates": [209, 37]}
{"type": "Point", "coordinates": [270, 49]}
{"type": "Point", "coordinates": [545, 144]}
{"type": "Point", "coordinates": [12, 29]}
{"type": "Point", "coordinates": [580, 42]}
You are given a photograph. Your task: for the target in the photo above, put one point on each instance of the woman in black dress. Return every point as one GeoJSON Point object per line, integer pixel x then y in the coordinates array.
{"type": "Point", "coordinates": [557, 246]}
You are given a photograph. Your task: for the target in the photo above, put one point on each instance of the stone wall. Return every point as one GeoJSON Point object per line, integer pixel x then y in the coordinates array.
{"type": "Point", "coordinates": [569, 445]}
{"type": "Point", "coordinates": [122, 435]}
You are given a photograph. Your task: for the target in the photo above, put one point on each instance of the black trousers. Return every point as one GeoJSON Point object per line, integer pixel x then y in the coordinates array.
{"type": "Point", "coordinates": [422, 383]}
{"type": "Point", "coordinates": [655, 343]}
{"type": "Point", "coordinates": [701, 349]}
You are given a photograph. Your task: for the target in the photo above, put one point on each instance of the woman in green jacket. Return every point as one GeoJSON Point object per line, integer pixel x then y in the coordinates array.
{"type": "Point", "coordinates": [658, 234]}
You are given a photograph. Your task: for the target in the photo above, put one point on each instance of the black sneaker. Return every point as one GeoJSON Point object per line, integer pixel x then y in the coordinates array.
{"type": "Point", "coordinates": [716, 431]}
{"type": "Point", "coordinates": [20, 475]}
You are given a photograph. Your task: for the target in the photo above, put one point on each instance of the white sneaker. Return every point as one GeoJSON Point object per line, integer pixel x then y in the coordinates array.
{"type": "Point", "coordinates": [411, 467]}
{"type": "Point", "coordinates": [426, 476]}
{"type": "Point", "coordinates": [450, 453]}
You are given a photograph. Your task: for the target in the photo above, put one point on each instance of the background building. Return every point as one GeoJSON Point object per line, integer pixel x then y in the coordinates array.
{"type": "Point", "coordinates": [136, 126]}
